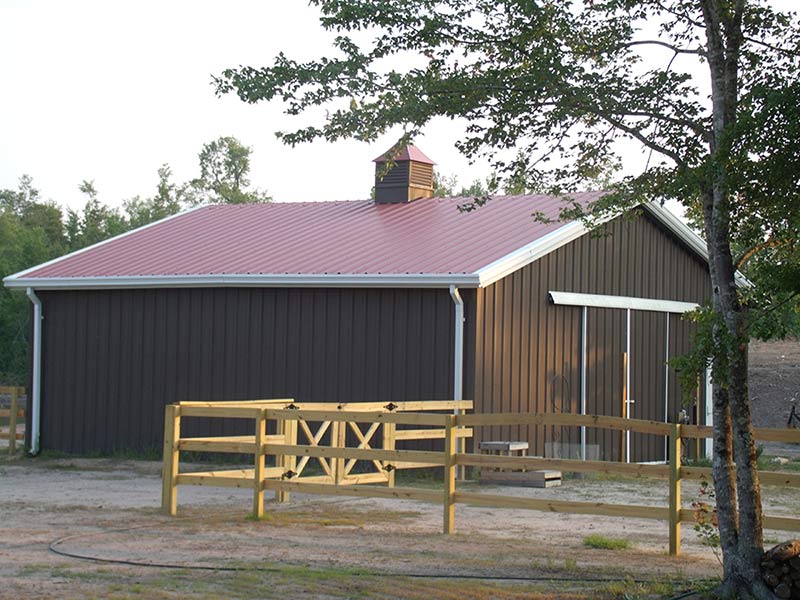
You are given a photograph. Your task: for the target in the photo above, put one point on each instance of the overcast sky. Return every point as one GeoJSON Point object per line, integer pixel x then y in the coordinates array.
{"type": "Point", "coordinates": [110, 91]}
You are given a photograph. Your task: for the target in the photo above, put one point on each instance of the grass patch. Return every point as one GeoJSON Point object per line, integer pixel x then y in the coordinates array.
{"type": "Point", "coordinates": [601, 542]}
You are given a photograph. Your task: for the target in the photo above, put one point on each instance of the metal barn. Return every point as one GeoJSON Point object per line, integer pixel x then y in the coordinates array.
{"type": "Point", "coordinates": [401, 298]}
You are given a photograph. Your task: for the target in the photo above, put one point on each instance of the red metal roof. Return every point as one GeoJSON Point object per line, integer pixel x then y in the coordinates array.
{"type": "Point", "coordinates": [314, 238]}
{"type": "Point", "coordinates": [410, 152]}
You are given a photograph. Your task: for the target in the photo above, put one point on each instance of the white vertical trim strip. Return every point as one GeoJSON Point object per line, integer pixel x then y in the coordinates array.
{"type": "Point", "coordinates": [709, 411]}
{"type": "Point", "coordinates": [36, 391]}
{"type": "Point", "coordinates": [666, 385]}
{"type": "Point", "coordinates": [628, 385]}
{"type": "Point", "coordinates": [458, 361]}
{"type": "Point", "coordinates": [584, 359]}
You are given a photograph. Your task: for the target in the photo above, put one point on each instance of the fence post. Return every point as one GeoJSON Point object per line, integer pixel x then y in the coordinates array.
{"type": "Point", "coordinates": [338, 437]}
{"type": "Point", "coordinates": [280, 459]}
{"type": "Point", "coordinates": [258, 461]}
{"type": "Point", "coordinates": [291, 463]}
{"type": "Point", "coordinates": [12, 422]}
{"type": "Point", "coordinates": [675, 490]}
{"type": "Point", "coordinates": [169, 473]}
{"type": "Point", "coordinates": [450, 447]}
{"type": "Point", "coordinates": [389, 444]}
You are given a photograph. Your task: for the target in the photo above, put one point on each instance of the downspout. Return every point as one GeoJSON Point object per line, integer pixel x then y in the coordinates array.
{"type": "Point", "coordinates": [36, 395]}
{"type": "Point", "coordinates": [458, 362]}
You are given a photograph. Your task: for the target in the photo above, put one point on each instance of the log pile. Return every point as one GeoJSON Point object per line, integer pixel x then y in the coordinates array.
{"type": "Point", "coordinates": [780, 569]}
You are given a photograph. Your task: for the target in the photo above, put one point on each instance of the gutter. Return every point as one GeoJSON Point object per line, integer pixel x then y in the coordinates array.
{"type": "Point", "coordinates": [400, 280]}
{"type": "Point", "coordinates": [36, 395]}
{"type": "Point", "coordinates": [458, 362]}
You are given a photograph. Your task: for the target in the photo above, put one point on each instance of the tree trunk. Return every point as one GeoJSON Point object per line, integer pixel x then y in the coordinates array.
{"type": "Point", "coordinates": [740, 527]}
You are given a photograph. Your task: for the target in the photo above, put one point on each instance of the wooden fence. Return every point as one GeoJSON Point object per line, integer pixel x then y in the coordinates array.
{"type": "Point", "coordinates": [336, 461]}
{"type": "Point", "coordinates": [283, 477]}
{"type": "Point", "coordinates": [14, 415]}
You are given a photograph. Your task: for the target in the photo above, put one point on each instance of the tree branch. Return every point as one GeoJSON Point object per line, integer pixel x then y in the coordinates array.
{"type": "Point", "coordinates": [639, 136]}
{"type": "Point", "coordinates": [675, 49]}
{"type": "Point", "coordinates": [779, 49]}
{"type": "Point", "coordinates": [750, 252]}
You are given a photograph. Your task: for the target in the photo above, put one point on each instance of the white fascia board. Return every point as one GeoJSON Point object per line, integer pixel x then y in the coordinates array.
{"type": "Point", "coordinates": [531, 252]}
{"type": "Point", "coordinates": [11, 278]}
{"type": "Point", "coordinates": [623, 302]}
{"type": "Point", "coordinates": [248, 280]}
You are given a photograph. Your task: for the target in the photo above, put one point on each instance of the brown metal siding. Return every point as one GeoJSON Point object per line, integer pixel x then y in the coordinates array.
{"type": "Point", "coordinates": [528, 351]}
{"type": "Point", "coordinates": [113, 359]}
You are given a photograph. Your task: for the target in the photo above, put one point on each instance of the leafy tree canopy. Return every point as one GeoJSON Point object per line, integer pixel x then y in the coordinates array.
{"type": "Point", "coordinates": [552, 89]}
{"type": "Point", "coordinates": [34, 230]}
{"type": "Point", "coordinates": [224, 169]}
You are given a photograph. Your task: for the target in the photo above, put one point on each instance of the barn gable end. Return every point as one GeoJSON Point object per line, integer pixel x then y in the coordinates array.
{"type": "Point", "coordinates": [528, 350]}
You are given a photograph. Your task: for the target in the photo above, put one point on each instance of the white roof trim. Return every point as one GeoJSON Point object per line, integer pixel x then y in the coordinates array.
{"type": "Point", "coordinates": [624, 302]}
{"type": "Point", "coordinates": [531, 252]}
{"type": "Point", "coordinates": [10, 278]}
{"type": "Point", "coordinates": [250, 280]}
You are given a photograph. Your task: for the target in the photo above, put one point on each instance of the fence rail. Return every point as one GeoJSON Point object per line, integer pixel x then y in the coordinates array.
{"type": "Point", "coordinates": [14, 415]}
{"type": "Point", "coordinates": [337, 459]}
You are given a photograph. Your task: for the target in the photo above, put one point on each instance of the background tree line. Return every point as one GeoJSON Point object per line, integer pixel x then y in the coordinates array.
{"type": "Point", "coordinates": [34, 230]}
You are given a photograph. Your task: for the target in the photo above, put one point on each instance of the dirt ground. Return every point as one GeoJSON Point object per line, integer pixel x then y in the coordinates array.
{"type": "Point", "coordinates": [327, 547]}
{"type": "Point", "coordinates": [774, 388]}
{"type": "Point", "coordinates": [323, 547]}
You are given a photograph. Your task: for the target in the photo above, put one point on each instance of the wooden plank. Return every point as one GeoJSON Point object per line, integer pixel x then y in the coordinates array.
{"type": "Point", "coordinates": [675, 490]}
{"type": "Point", "coordinates": [361, 478]}
{"type": "Point", "coordinates": [412, 465]}
{"type": "Point", "coordinates": [238, 478]}
{"type": "Point", "coordinates": [406, 406]}
{"type": "Point", "coordinates": [579, 466]}
{"type": "Point", "coordinates": [537, 479]}
{"type": "Point", "coordinates": [563, 506]}
{"type": "Point", "coordinates": [422, 405]}
{"type": "Point", "coordinates": [448, 498]}
{"type": "Point", "coordinates": [769, 522]}
{"type": "Point", "coordinates": [429, 434]}
{"type": "Point", "coordinates": [241, 444]}
{"type": "Point", "coordinates": [569, 420]}
{"type": "Point", "coordinates": [315, 479]}
{"type": "Point", "coordinates": [10, 389]}
{"type": "Point", "coordinates": [760, 433]}
{"type": "Point", "coordinates": [791, 436]}
{"type": "Point", "coordinates": [781, 523]}
{"type": "Point", "coordinates": [224, 403]}
{"type": "Point", "coordinates": [169, 473]}
{"type": "Point", "coordinates": [781, 478]}
{"type": "Point", "coordinates": [6, 413]}
{"type": "Point", "coordinates": [359, 417]}
{"type": "Point", "coordinates": [434, 496]}
{"type": "Point", "coordinates": [364, 443]}
{"type": "Point", "coordinates": [221, 412]}
{"type": "Point", "coordinates": [259, 463]}
{"type": "Point", "coordinates": [431, 458]}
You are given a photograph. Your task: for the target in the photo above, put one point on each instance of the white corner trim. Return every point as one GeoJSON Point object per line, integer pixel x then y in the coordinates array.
{"type": "Point", "coordinates": [249, 280]}
{"type": "Point", "coordinates": [531, 252]}
{"type": "Point", "coordinates": [623, 302]}
{"type": "Point", "coordinates": [11, 278]}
